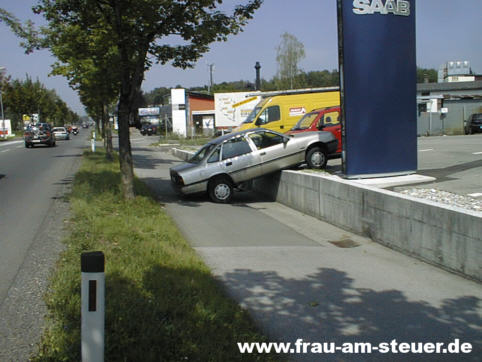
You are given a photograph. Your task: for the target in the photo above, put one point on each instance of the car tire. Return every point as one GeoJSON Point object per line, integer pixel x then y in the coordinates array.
{"type": "Point", "coordinates": [27, 145]}
{"type": "Point", "coordinates": [316, 158]}
{"type": "Point", "coordinates": [220, 190]}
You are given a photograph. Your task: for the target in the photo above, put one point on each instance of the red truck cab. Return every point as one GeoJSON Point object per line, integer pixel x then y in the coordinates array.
{"type": "Point", "coordinates": [322, 119]}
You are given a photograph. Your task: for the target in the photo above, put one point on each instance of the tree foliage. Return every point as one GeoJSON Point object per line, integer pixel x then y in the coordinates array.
{"type": "Point", "coordinates": [29, 97]}
{"type": "Point", "coordinates": [430, 74]}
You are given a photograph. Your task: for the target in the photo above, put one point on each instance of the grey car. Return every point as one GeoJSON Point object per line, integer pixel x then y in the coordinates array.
{"type": "Point", "coordinates": [61, 133]}
{"type": "Point", "coordinates": [229, 161]}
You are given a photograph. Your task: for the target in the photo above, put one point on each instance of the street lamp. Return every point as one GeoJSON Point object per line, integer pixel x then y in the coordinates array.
{"type": "Point", "coordinates": [2, 70]}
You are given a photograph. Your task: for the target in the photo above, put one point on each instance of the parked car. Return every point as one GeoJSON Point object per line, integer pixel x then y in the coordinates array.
{"type": "Point", "coordinates": [61, 133]}
{"type": "Point", "coordinates": [323, 119]}
{"type": "Point", "coordinates": [39, 133]}
{"type": "Point", "coordinates": [75, 130]}
{"type": "Point", "coordinates": [148, 129]}
{"type": "Point", "coordinates": [229, 161]}
{"type": "Point", "coordinates": [474, 124]}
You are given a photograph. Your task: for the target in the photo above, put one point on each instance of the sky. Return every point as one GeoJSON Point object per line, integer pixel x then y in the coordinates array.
{"type": "Point", "coordinates": [446, 30]}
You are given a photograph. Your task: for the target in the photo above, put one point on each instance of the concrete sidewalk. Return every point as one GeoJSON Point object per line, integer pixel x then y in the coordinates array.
{"type": "Point", "coordinates": [302, 278]}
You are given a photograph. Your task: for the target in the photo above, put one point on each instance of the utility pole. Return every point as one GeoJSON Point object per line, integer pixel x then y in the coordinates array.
{"type": "Point", "coordinates": [211, 68]}
{"type": "Point", "coordinates": [2, 69]}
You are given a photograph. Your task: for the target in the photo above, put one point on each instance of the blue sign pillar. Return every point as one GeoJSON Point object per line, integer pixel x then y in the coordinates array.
{"type": "Point", "coordinates": [378, 87]}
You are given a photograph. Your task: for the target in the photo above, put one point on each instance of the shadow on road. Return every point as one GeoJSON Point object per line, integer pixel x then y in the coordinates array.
{"type": "Point", "coordinates": [327, 305]}
{"type": "Point", "coordinates": [443, 174]}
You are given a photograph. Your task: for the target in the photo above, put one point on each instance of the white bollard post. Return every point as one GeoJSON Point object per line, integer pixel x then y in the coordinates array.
{"type": "Point", "coordinates": [93, 306]}
{"type": "Point", "coordinates": [92, 142]}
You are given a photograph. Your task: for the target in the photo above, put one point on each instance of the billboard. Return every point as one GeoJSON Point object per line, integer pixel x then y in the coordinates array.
{"type": "Point", "coordinates": [232, 108]}
{"type": "Point", "coordinates": [378, 87]}
{"type": "Point", "coordinates": [151, 111]}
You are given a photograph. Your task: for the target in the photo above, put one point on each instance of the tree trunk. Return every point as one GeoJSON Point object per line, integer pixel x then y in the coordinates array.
{"type": "Point", "coordinates": [107, 134]}
{"type": "Point", "coordinates": [125, 155]}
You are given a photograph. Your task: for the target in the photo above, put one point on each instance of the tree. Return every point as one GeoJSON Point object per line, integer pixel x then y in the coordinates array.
{"type": "Point", "coordinates": [137, 29]}
{"type": "Point", "coordinates": [427, 74]}
{"type": "Point", "coordinates": [288, 54]}
{"type": "Point", "coordinates": [29, 97]}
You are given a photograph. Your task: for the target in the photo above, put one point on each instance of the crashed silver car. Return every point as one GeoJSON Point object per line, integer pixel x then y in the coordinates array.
{"type": "Point", "coordinates": [227, 162]}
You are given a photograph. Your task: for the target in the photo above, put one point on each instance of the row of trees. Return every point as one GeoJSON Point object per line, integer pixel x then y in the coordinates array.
{"type": "Point", "coordinates": [104, 47]}
{"type": "Point", "coordinates": [32, 97]}
{"type": "Point", "coordinates": [312, 79]}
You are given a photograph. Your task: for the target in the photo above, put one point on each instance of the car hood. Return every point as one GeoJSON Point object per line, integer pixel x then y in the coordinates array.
{"type": "Point", "coordinates": [183, 167]}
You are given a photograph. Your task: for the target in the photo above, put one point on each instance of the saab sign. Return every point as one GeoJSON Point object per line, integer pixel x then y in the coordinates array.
{"type": "Point", "coordinates": [378, 87]}
{"type": "Point", "coordinates": [395, 7]}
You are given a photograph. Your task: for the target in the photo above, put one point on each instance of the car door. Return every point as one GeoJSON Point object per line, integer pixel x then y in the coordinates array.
{"type": "Point", "coordinates": [238, 159]}
{"type": "Point", "coordinates": [270, 118]}
{"type": "Point", "coordinates": [275, 151]}
{"type": "Point", "coordinates": [330, 122]}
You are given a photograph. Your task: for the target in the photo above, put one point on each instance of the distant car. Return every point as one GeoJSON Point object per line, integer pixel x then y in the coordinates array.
{"type": "Point", "coordinates": [39, 133]}
{"type": "Point", "coordinates": [75, 130]}
{"type": "Point", "coordinates": [148, 129]}
{"type": "Point", "coordinates": [227, 162]}
{"type": "Point", "coordinates": [322, 119]}
{"type": "Point", "coordinates": [474, 124]}
{"type": "Point", "coordinates": [85, 125]}
{"type": "Point", "coordinates": [61, 133]}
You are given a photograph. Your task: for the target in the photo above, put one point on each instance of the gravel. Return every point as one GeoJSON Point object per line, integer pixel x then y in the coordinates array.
{"type": "Point", "coordinates": [447, 198]}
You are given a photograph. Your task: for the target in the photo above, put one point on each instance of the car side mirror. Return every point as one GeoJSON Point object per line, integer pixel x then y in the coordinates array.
{"type": "Point", "coordinates": [258, 122]}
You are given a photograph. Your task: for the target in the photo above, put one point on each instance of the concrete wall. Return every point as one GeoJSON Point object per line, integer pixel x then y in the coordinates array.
{"type": "Point", "coordinates": [446, 236]}
{"type": "Point", "coordinates": [441, 235]}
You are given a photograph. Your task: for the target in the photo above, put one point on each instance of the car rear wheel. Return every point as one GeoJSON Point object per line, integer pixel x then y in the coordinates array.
{"type": "Point", "coordinates": [220, 190]}
{"type": "Point", "coordinates": [316, 158]}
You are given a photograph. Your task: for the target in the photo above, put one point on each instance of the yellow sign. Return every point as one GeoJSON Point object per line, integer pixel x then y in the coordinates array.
{"type": "Point", "coordinates": [244, 102]}
{"type": "Point", "coordinates": [26, 118]}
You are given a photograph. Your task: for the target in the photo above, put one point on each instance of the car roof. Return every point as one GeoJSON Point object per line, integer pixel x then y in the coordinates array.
{"type": "Point", "coordinates": [228, 136]}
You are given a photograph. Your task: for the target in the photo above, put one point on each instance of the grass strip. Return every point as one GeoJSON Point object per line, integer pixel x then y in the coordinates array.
{"type": "Point", "coordinates": [162, 303]}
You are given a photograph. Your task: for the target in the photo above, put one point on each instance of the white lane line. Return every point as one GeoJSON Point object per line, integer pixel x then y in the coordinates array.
{"type": "Point", "coordinates": [4, 151]}
{"type": "Point", "coordinates": [477, 194]}
{"type": "Point", "coordinates": [9, 143]}
{"type": "Point", "coordinates": [428, 149]}
{"type": "Point", "coordinates": [477, 153]}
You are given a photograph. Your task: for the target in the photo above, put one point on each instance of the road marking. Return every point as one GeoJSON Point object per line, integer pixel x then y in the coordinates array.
{"type": "Point", "coordinates": [9, 143]}
{"type": "Point", "coordinates": [4, 151]}
{"type": "Point", "coordinates": [428, 149]}
{"type": "Point", "coordinates": [477, 194]}
{"type": "Point", "coordinates": [477, 153]}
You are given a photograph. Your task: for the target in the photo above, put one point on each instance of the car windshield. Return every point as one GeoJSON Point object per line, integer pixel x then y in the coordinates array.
{"type": "Point", "coordinates": [252, 115]}
{"type": "Point", "coordinates": [478, 117]}
{"type": "Point", "coordinates": [203, 152]}
{"type": "Point", "coordinates": [305, 121]}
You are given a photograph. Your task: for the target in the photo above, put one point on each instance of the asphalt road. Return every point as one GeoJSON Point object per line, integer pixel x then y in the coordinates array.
{"type": "Point", "coordinates": [302, 278]}
{"type": "Point", "coordinates": [32, 185]}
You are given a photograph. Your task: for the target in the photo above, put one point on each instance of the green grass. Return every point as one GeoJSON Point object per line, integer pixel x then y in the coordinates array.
{"type": "Point", "coordinates": [162, 303]}
{"type": "Point", "coordinates": [175, 138]}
